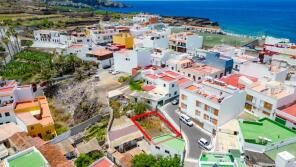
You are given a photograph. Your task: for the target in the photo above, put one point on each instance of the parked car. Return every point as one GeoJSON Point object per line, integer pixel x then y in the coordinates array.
{"type": "Point", "coordinates": [106, 67]}
{"type": "Point", "coordinates": [115, 72]}
{"type": "Point", "coordinates": [205, 144]}
{"type": "Point", "coordinates": [175, 102]}
{"type": "Point", "coordinates": [97, 77]}
{"type": "Point", "coordinates": [110, 71]}
{"type": "Point", "coordinates": [186, 120]}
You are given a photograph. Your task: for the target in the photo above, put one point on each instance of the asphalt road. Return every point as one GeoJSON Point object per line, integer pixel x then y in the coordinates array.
{"type": "Point", "coordinates": [192, 133]}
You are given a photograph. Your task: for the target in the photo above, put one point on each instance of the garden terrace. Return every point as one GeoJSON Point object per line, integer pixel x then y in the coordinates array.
{"type": "Point", "coordinates": [153, 124]}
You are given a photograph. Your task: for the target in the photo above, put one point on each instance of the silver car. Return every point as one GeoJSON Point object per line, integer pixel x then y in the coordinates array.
{"type": "Point", "coordinates": [205, 144]}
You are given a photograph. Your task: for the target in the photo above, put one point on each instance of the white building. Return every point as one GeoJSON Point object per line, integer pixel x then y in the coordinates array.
{"type": "Point", "coordinates": [126, 60]}
{"type": "Point", "coordinates": [185, 42]}
{"type": "Point", "coordinates": [153, 40]}
{"type": "Point", "coordinates": [168, 58]}
{"type": "Point", "coordinates": [101, 36]}
{"type": "Point", "coordinates": [10, 94]}
{"type": "Point", "coordinates": [168, 145]}
{"type": "Point", "coordinates": [265, 96]}
{"type": "Point", "coordinates": [282, 46]}
{"type": "Point", "coordinates": [160, 86]}
{"type": "Point", "coordinates": [145, 19]}
{"type": "Point", "coordinates": [285, 159]}
{"type": "Point", "coordinates": [211, 103]}
{"type": "Point", "coordinates": [287, 115]}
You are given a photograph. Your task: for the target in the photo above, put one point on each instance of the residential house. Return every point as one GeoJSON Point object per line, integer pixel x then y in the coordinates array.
{"type": "Point", "coordinates": [265, 96]}
{"type": "Point", "coordinates": [124, 39]}
{"type": "Point", "coordinates": [211, 103]}
{"type": "Point", "coordinates": [101, 36]}
{"type": "Point", "coordinates": [215, 59]}
{"type": "Point", "coordinates": [153, 40]}
{"type": "Point", "coordinates": [35, 116]}
{"type": "Point", "coordinates": [197, 72]}
{"type": "Point", "coordinates": [160, 86]}
{"type": "Point", "coordinates": [126, 60]}
{"type": "Point", "coordinates": [101, 56]}
{"type": "Point", "coordinates": [287, 115]}
{"type": "Point", "coordinates": [145, 19]}
{"type": "Point", "coordinates": [10, 95]}
{"type": "Point", "coordinates": [168, 145]}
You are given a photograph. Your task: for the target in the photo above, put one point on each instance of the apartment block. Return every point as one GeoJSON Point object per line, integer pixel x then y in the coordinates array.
{"type": "Point", "coordinates": [185, 42]}
{"type": "Point", "coordinates": [266, 95]}
{"type": "Point", "coordinates": [211, 103]}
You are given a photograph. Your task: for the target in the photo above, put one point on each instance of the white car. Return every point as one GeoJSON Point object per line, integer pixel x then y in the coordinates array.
{"type": "Point", "coordinates": [115, 72]}
{"type": "Point", "coordinates": [97, 77]}
{"type": "Point", "coordinates": [205, 144]}
{"type": "Point", "coordinates": [186, 120]}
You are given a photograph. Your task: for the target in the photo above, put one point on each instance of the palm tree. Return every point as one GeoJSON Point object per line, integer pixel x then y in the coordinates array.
{"type": "Point", "coordinates": [8, 35]}
{"type": "Point", "coordinates": [6, 41]}
{"type": "Point", "coordinates": [15, 35]}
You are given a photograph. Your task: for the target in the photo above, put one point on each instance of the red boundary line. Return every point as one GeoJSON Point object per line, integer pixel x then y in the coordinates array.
{"type": "Point", "coordinates": [134, 120]}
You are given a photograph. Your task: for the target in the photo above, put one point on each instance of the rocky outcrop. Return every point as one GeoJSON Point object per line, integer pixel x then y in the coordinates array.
{"type": "Point", "coordinates": [192, 21]}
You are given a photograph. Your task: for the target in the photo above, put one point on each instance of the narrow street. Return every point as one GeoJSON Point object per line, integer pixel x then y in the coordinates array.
{"type": "Point", "coordinates": [191, 133]}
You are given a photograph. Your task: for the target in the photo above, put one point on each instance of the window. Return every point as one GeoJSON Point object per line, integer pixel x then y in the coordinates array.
{"type": "Point", "coordinates": [206, 107]}
{"type": "Point", "coordinates": [197, 113]}
{"type": "Point", "coordinates": [267, 105]}
{"type": "Point", "coordinates": [197, 103]}
{"type": "Point", "coordinates": [216, 112]}
{"type": "Point", "coordinates": [157, 147]}
{"type": "Point", "coordinates": [175, 93]}
{"type": "Point", "coordinates": [164, 85]}
{"type": "Point", "coordinates": [166, 151]}
{"type": "Point", "coordinates": [170, 95]}
{"type": "Point", "coordinates": [199, 78]}
{"type": "Point", "coordinates": [32, 127]}
{"type": "Point", "coordinates": [7, 114]}
{"type": "Point", "coordinates": [0, 115]}
{"type": "Point", "coordinates": [184, 106]}
{"type": "Point", "coordinates": [249, 98]}
{"type": "Point", "coordinates": [183, 97]}
{"type": "Point", "coordinates": [206, 117]}
{"type": "Point", "coordinates": [127, 59]}
{"type": "Point", "coordinates": [173, 85]}
{"type": "Point", "coordinates": [189, 75]}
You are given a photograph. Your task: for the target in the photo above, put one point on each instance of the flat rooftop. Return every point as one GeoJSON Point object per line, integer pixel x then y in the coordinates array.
{"type": "Point", "coordinates": [202, 70]}
{"type": "Point", "coordinates": [265, 128]}
{"type": "Point", "coordinates": [210, 159]}
{"type": "Point", "coordinates": [273, 89]}
{"type": "Point", "coordinates": [170, 141]}
{"type": "Point", "coordinates": [28, 158]}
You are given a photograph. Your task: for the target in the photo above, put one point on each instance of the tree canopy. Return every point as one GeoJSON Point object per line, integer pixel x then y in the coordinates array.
{"type": "Point", "coordinates": [147, 160]}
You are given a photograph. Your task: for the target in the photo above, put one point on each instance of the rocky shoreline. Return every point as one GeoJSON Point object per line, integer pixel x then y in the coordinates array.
{"type": "Point", "coordinates": [190, 21]}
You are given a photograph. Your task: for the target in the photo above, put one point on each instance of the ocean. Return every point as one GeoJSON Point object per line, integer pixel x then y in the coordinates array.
{"type": "Point", "coordinates": [245, 17]}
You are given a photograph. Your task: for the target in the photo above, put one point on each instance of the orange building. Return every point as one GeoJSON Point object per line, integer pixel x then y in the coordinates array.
{"type": "Point", "coordinates": [35, 116]}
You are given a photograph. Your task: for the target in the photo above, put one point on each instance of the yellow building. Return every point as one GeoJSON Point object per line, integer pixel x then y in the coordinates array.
{"type": "Point", "coordinates": [124, 39]}
{"type": "Point", "coordinates": [36, 118]}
